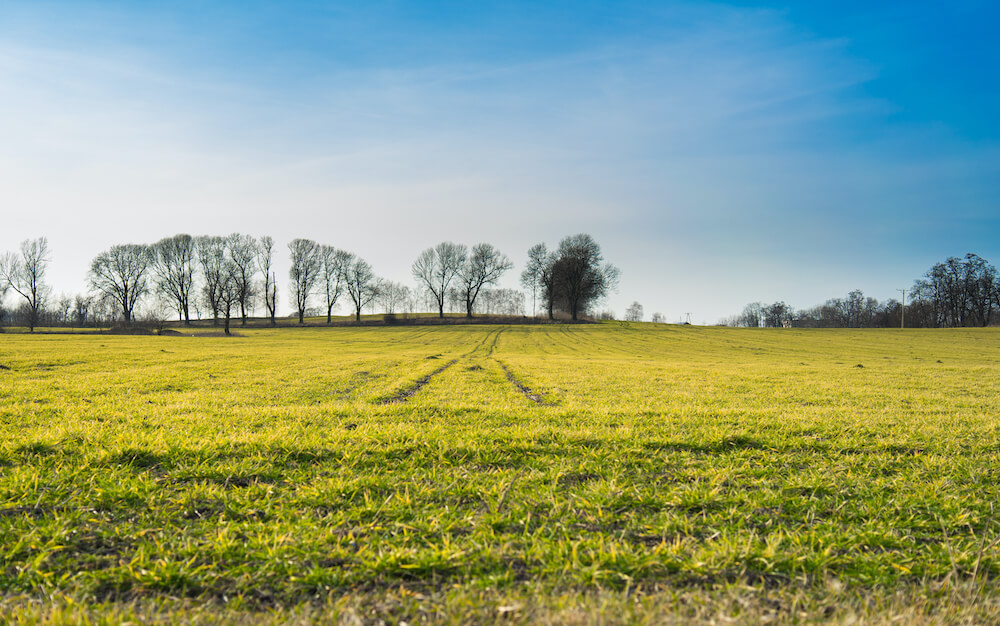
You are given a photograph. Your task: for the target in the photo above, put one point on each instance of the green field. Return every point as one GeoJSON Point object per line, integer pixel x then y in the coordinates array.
{"type": "Point", "coordinates": [563, 473]}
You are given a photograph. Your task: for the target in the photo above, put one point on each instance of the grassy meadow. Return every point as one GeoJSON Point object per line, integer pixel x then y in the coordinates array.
{"type": "Point", "coordinates": [552, 473]}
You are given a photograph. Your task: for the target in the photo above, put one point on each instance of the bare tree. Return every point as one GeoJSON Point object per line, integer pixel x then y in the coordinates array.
{"type": "Point", "coordinates": [265, 252]}
{"type": "Point", "coordinates": [25, 275]}
{"type": "Point", "coordinates": [437, 267]}
{"type": "Point", "coordinates": [581, 278]}
{"type": "Point", "coordinates": [119, 274]}
{"type": "Point", "coordinates": [483, 267]}
{"type": "Point", "coordinates": [361, 285]}
{"type": "Point", "coordinates": [958, 292]}
{"type": "Point", "coordinates": [212, 259]}
{"type": "Point", "coordinates": [304, 272]}
{"type": "Point", "coordinates": [334, 265]}
{"type": "Point", "coordinates": [242, 257]}
{"type": "Point", "coordinates": [657, 318]}
{"type": "Point", "coordinates": [634, 312]}
{"type": "Point", "coordinates": [548, 284]}
{"type": "Point", "coordinates": [172, 265]}
{"type": "Point", "coordinates": [777, 315]}
{"type": "Point", "coordinates": [231, 290]}
{"type": "Point", "coordinates": [392, 296]}
{"type": "Point", "coordinates": [531, 277]}
{"type": "Point", "coordinates": [81, 309]}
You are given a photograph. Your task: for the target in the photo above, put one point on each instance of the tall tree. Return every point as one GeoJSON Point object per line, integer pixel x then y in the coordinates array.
{"type": "Point", "coordinates": [634, 312]}
{"type": "Point", "coordinates": [580, 274]}
{"type": "Point", "coordinates": [436, 267]}
{"type": "Point", "coordinates": [172, 265]}
{"type": "Point", "coordinates": [777, 315]}
{"type": "Point", "coordinates": [483, 267]}
{"type": "Point", "coordinates": [212, 259]}
{"type": "Point", "coordinates": [81, 309]}
{"type": "Point", "coordinates": [531, 277]}
{"type": "Point", "coordinates": [392, 295]}
{"type": "Point", "coordinates": [242, 257]}
{"type": "Point", "coordinates": [231, 290]}
{"type": "Point", "coordinates": [25, 274]}
{"type": "Point", "coordinates": [958, 292]}
{"type": "Point", "coordinates": [334, 265]}
{"type": "Point", "coordinates": [362, 285]}
{"type": "Point", "coordinates": [304, 272]}
{"type": "Point", "coordinates": [120, 275]}
{"type": "Point", "coordinates": [548, 285]}
{"type": "Point", "coordinates": [265, 257]}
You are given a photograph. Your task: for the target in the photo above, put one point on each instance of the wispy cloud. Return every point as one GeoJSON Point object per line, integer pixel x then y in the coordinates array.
{"type": "Point", "coordinates": [714, 133]}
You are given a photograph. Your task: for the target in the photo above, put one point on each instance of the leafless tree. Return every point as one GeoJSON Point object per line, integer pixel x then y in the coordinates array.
{"type": "Point", "coordinates": [531, 277]}
{"type": "Point", "coordinates": [120, 274]}
{"type": "Point", "coordinates": [580, 275]}
{"type": "Point", "coordinates": [231, 290]}
{"type": "Point", "coordinates": [24, 273]}
{"type": "Point", "coordinates": [752, 316]}
{"type": "Point", "coordinates": [64, 310]}
{"type": "Point", "coordinates": [633, 313]}
{"type": "Point", "coordinates": [437, 267]}
{"type": "Point", "coordinates": [212, 259]}
{"type": "Point", "coordinates": [265, 252]}
{"type": "Point", "coordinates": [657, 318]}
{"type": "Point", "coordinates": [361, 285]}
{"type": "Point", "coordinates": [81, 309]}
{"type": "Point", "coordinates": [501, 302]}
{"type": "Point", "coordinates": [304, 272]}
{"type": "Point", "coordinates": [959, 292]}
{"type": "Point", "coordinates": [483, 267]}
{"type": "Point", "coordinates": [334, 264]}
{"type": "Point", "coordinates": [173, 265]}
{"type": "Point", "coordinates": [392, 296]}
{"type": "Point", "coordinates": [777, 315]}
{"type": "Point", "coordinates": [242, 257]}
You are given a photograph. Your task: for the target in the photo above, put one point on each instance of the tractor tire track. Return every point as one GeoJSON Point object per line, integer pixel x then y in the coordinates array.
{"type": "Point", "coordinates": [524, 389]}
{"type": "Point", "coordinates": [408, 392]}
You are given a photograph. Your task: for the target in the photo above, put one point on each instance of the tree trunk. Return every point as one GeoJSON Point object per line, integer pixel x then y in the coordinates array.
{"type": "Point", "coordinates": [227, 324]}
{"type": "Point", "coordinates": [301, 314]}
{"type": "Point", "coordinates": [357, 315]}
{"type": "Point", "coordinates": [441, 308]}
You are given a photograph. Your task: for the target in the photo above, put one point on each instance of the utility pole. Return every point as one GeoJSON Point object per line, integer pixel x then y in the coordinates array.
{"type": "Point", "coordinates": [902, 310]}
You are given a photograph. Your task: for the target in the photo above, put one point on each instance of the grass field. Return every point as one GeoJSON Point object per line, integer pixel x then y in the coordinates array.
{"type": "Point", "coordinates": [566, 473]}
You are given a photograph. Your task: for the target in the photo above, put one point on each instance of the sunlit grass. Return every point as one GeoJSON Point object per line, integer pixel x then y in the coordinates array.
{"type": "Point", "coordinates": [297, 470]}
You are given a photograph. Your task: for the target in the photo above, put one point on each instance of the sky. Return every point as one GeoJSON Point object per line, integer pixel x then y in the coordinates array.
{"type": "Point", "coordinates": [720, 153]}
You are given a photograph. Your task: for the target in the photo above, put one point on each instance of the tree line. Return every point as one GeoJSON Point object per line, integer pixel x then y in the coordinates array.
{"type": "Point", "coordinates": [960, 291]}
{"type": "Point", "coordinates": [231, 277]}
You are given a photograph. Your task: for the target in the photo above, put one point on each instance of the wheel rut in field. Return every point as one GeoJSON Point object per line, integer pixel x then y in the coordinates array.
{"type": "Point", "coordinates": [409, 392]}
{"type": "Point", "coordinates": [487, 345]}
{"type": "Point", "coordinates": [524, 389]}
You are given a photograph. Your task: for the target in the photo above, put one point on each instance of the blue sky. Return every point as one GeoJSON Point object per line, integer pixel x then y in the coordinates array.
{"type": "Point", "coordinates": [720, 152]}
